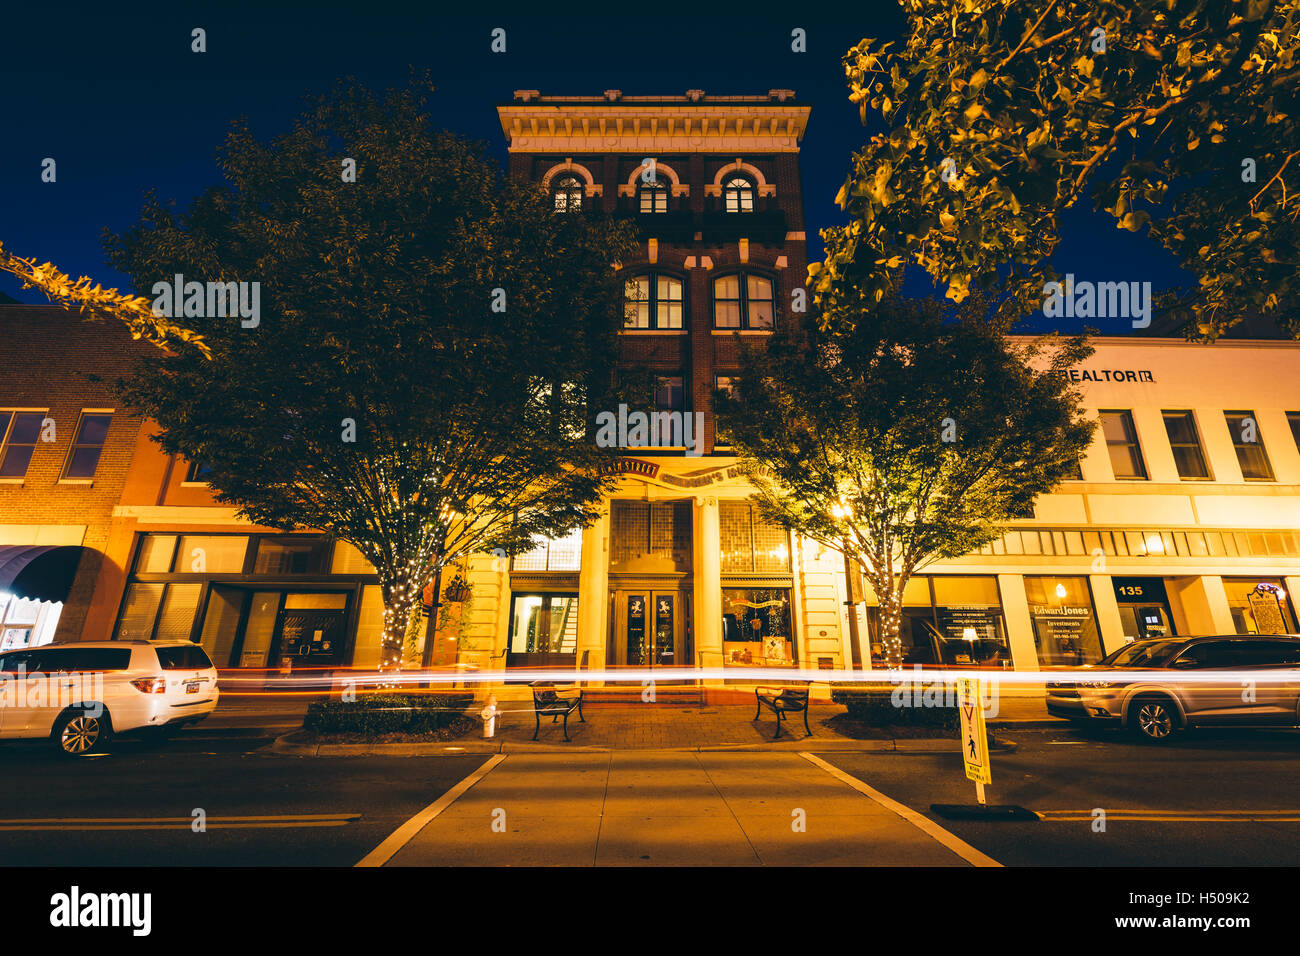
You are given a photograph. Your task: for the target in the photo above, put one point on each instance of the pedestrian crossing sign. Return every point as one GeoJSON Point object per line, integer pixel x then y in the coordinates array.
{"type": "Point", "coordinates": [974, 737]}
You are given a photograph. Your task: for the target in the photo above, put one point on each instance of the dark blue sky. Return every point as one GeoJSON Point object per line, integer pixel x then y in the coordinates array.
{"type": "Point", "coordinates": [115, 96]}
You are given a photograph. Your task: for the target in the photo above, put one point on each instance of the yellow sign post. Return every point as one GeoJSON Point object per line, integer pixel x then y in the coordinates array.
{"type": "Point", "coordinates": [974, 737]}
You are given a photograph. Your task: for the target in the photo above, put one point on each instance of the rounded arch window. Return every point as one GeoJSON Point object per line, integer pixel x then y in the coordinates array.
{"type": "Point", "coordinates": [738, 194]}
{"type": "Point", "coordinates": [653, 196]}
{"type": "Point", "coordinates": [567, 191]}
{"type": "Point", "coordinates": [653, 300]}
{"type": "Point", "coordinates": [743, 300]}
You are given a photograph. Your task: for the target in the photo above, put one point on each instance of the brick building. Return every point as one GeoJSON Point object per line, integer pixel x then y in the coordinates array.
{"type": "Point", "coordinates": [65, 446]}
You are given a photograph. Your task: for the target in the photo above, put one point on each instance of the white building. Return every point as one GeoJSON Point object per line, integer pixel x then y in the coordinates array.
{"type": "Point", "coordinates": [1187, 502]}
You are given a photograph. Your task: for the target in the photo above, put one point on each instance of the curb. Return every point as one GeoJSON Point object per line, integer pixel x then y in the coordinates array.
{"type": "Point", "coordinates": [298, 747]}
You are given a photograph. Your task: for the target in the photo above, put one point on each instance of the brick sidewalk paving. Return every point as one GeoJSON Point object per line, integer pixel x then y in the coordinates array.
{"type": "Point", "coordinates": [668, 726]}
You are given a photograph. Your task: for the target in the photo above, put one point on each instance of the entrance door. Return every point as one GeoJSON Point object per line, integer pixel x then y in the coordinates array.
{"type": "Point", "coordinates": [1143, 607]}
{"type": "Point", "coordinates": [310, 636]}
{"type": "Point", "coordinates": [1145, 621]}
{"type": "Point", "coordinates": [649, 628]}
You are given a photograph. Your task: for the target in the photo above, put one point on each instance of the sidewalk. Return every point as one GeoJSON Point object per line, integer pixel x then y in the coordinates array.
{"type": "Point", "coordinates": [674, 809]}
{"type": "Point", "coordinates": [641, 727]}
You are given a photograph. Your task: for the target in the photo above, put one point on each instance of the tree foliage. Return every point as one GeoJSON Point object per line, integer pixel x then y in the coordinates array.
{"type": "Point", "coordinates": [904, 439]}
{"type": "Point", "coordinates": [1174, 115]}
{"type": "Point", "coordinates": [432, 345]}
{"type": "Point", "coordinates": [98, 303]}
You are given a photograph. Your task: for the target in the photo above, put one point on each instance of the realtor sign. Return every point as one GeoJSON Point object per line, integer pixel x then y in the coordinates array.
{"type": "Point", "coordinates": [974, 738]}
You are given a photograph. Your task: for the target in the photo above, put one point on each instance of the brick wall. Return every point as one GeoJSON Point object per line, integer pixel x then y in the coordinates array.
{"type": "Point", "coordinates": [50, 357]}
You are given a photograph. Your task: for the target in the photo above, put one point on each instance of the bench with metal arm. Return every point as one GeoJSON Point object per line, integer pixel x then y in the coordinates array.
{"type": "Point", "coordinates": [547, 702]}
{"type": "Point", "coordinates": [782, 701]}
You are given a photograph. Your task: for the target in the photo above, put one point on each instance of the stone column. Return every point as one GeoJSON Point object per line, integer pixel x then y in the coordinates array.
{"type": "Point", "coordinates": [708, 583]}
{"type": "Point", "coordinates": [1109, 623]}
{"type": "Point", "coordinates": [1020, 628]}
{"type": "Point", "coordinates": [593, 592]}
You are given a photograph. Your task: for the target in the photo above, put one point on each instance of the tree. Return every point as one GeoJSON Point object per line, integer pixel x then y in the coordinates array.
{"type": "Point", "coordinates": [98, 303]}
{"type": "Point", "coordinates": [1178, 116]}
{"type": "Point", "coordinates": [432, 344]}
{"type": "Point", "coordinates": [904, 438]}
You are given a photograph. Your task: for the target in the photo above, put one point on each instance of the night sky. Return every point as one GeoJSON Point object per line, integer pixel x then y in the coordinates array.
{"type": "Point", "coordinates": [115, 96]}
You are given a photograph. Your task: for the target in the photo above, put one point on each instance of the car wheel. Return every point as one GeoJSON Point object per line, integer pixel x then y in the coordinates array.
{"type": "Point", "coordinates": [1154, 719]}
{"type": "Point", "coordinates": [80, 733]}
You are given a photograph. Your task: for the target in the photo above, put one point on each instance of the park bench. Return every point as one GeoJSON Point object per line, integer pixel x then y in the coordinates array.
{"type": "Point", "coordinates": [781, 701]}
{"type": "Point", "coordinates": [547, 702]}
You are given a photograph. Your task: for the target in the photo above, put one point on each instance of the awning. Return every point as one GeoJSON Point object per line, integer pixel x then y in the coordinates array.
{"type": "Point", "coordinates": [38, 572]}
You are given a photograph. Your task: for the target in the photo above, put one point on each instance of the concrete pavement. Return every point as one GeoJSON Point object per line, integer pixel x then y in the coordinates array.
{"type": "Point", "coordinates": [672, 808]}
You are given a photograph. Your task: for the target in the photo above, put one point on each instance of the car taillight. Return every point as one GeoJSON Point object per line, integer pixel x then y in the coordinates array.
{"type": "Point", "coordinates": [150, 685]}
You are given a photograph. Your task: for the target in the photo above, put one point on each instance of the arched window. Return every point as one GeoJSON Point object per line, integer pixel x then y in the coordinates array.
{"type": "Point", "coordinates": [652, 301]}
{"type": "Point", "coordinates": [743, 301]}
{"type": "Point", "coordinates": [738, 194]}
{"type": "Point", "coordinates": [654, 196]}
{"type": "Point", "coordinates": [567, 190]}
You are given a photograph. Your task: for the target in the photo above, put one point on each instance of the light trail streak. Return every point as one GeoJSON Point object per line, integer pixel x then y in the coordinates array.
{"type": "Point", "coordinates": [389, 680]}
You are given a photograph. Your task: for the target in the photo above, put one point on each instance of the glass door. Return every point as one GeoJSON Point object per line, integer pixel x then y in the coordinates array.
{"type": "Point", "coordinates": [650, 627]}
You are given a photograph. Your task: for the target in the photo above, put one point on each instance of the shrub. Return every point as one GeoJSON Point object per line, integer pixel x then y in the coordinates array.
{"type": "Point", "coordinates": [386, 714]}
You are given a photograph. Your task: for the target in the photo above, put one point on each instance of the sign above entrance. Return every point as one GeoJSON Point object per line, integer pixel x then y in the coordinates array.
{"type": "Point", "coordinates": [634, 466]}
{"type": "Point", "coordinates": [650, 469]}
{"type": "Point", "coordinates": [1129, 590]}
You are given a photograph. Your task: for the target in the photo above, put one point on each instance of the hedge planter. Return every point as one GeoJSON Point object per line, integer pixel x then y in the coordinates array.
{"type": "Point", "coordinates": [383, 715]}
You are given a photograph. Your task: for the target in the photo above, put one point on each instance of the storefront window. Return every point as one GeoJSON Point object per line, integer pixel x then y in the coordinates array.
{"type": "Point", "coordinates": [750, 543]}
{"type": "Point", "coordinates": [139, 612]}
{"type": "Point", "coordinates": [348, 560]}
{"type": "Point", "coordinates": [1065, 623]}
{"type": "Point", "coordinates": [299, 554]}
{"type": "Point", "coordinates": [210, 554]}
{"type": "Point", "coordinates": [221, 623]}
{"type": "Point", "coordinates": [155, 553]}
{"type": "Point", "coordinates": [1259, 606]}
{"type": "Point", "coordinates": [544, 624]}
{"type": "Point", "coordinates": [756, 626]}
{"type": "Point", "coordinates": [370, 628]}
{"type": "Point", "coordinates": [177, 616]}
{"type": "Point", "coordinates": [950, 620]}
{"type": "Point", "coordinates": [555, 554]}
{"type": "Point", "coordinates": [650, 537]}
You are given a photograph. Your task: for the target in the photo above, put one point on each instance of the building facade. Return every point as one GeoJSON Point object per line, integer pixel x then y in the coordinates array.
{"type": "Point", "coordinates": [1184, 517]}
{"type": "Point", "coordinates": [65, 445]}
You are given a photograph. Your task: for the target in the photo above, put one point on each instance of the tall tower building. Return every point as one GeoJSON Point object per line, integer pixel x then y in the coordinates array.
{"type": "Point", "coordinates": [680, 570]}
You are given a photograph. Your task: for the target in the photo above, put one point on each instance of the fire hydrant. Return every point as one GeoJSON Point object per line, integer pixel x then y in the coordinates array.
{"type": "Point", "coordinates": [489, 715]}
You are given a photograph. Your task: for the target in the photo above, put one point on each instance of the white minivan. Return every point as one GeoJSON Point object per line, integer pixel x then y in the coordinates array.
{"type": "Point", "coordinates": [78, 695]}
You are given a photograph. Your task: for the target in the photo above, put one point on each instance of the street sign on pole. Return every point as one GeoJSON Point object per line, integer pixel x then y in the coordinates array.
{"type": "Point", "coordinates": [974, 737]}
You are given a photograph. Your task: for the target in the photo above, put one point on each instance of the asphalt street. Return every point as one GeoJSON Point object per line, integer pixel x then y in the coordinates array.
{"type": "Point", "coordinates": [1212, 798]}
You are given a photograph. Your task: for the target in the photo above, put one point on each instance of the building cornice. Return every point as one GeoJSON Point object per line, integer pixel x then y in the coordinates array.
{"type": "Point", "coordinates": [655, 126]}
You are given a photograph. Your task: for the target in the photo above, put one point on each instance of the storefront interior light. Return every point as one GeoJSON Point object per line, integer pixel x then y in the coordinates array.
{"type": "Point", "coordinates": [1060, 591]}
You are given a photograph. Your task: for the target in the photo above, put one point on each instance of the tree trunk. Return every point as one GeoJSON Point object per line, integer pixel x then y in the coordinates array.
{"type": "Point", "coordinates": [891, 613]}
{"type": "Point", "coordinates": [399, 604]}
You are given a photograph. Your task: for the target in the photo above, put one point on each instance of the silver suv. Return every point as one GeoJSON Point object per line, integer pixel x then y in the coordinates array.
{"type": "Point", "coordinates": [1259, 685]}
